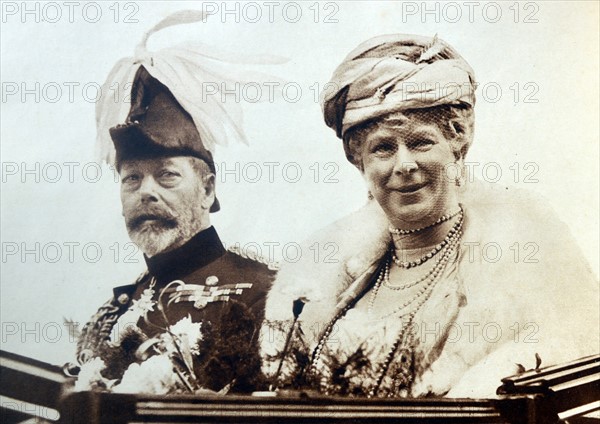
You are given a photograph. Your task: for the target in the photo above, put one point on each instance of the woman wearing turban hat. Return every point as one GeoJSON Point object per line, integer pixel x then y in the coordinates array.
{"type": "Point", "coordinates": [427, 295]}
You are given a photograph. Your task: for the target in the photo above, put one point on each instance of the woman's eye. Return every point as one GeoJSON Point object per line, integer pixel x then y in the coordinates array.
{"type": "Point", "coordinates": [421, 144]}
{"type": "Point", "coordinates": [383, 147]}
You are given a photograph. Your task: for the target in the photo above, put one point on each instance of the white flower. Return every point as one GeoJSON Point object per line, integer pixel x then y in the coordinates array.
{"type": "Point", "coordinates": [155, 375]}
{"type": "Point", "coordinates": [89, 376]}
{"type": "Point", "coordinates": [189, 333]}
{"type": "Point", "coordinates": [126, 322]}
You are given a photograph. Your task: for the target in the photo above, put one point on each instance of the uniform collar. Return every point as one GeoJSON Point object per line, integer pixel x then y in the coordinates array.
{"type": "Point", "coordinates": [202, 249]}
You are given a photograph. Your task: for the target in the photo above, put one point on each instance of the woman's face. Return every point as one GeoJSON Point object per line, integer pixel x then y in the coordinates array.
{"type": "Point", "coordinates": [410, 169]}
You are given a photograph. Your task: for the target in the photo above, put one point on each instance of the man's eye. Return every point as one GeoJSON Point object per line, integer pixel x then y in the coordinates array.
{"type": "Point", "coordinates": [169, 174]}
{"type": "Point", "coordinates": [128, 179]}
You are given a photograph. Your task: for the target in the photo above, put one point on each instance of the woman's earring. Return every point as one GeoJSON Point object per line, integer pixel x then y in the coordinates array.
{"type": "Point", "coordinates": [370, 195]}
{"type": "Point", "coordinates": [460, 174]}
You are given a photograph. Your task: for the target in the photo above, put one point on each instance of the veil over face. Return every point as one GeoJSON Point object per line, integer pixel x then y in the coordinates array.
{"type": "Point", "coordinates": [406, 164]}
{"type": "Point", "coordinates": [423, 82]}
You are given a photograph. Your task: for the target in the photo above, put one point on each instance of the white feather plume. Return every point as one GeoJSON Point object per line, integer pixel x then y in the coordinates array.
{"type": "Point", "coordinates": [201, 77]}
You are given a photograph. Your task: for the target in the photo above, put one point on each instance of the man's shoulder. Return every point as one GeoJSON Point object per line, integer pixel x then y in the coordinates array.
{"type": "Point", "coordinates": [248, 261]}
{"type": "Point", "coordinates": [237, 273]}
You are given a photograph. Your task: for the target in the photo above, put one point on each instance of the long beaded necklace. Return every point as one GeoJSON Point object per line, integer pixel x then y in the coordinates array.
{"type": "Point", "coordinates": [440, 263]}
{"type": "Point", "coordinates": [384, 366]}
{"type": "Point", "coordinates": [433, 251]}
{"type": "Point", "coordinates": [432, 277]}
{"type": "Point", "coordinates": [424, 294]}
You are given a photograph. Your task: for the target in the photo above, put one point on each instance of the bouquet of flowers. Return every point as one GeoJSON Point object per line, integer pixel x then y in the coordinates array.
{"type": "Point", "coordinates": [347, 375]}
{"type": "Point", "coordinates": [350, 366]}
{"type": "Point", "coordinates": [182, 357]}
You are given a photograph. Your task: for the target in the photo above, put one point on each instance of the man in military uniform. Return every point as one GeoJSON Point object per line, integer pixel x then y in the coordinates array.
{"type": "Point", "coordinates": [167, 193]}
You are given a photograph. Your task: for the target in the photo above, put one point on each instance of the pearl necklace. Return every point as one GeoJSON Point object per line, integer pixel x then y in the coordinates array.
{"type": "Point", "coordinates": [406, 333]}
{"type": "Point", "coordinates": [384, 366]}
{"type": "Point", "coordinates": [432, 273]}
{"type": "Point", "coordinates": [434, 251]}
{"type": "Point", "coordinates": [431, 277]}
{"type": "Point", "coordinates": [441, 219]}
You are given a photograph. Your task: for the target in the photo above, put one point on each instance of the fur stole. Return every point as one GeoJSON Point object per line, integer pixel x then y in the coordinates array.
{"type": "Point", "coordinates": [523, 288]}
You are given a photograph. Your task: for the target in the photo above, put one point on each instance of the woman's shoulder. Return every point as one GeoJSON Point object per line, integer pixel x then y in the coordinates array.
{"type": "Point", "coordinates": [516, 247]}
{"type": "Point", "coordinates": [512, 218]}
{"type": "Point", "coordinates": [521, 228]}
{"type": "Point", "coordinates": [488, 201]}
{"type": "Point", "coordinates": [347, 246]}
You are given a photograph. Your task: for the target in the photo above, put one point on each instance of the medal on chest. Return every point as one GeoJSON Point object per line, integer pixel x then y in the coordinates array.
{"type": "Point", "coordinates": [211, 291]}
{"type": "Point", "coordinates": [145, 303]}
{"type": "Point", "coordinates": [138, 309]}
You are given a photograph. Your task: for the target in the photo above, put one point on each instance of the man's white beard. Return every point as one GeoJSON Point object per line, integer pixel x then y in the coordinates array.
{"type": "Point", "coordinates": [155, 239]}
{"type": "Point", "coordinates": [161, 236]}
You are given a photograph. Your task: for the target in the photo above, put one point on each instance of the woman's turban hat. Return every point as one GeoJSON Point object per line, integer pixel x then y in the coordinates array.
{"type": "Point", "coordinates": [392, 73]}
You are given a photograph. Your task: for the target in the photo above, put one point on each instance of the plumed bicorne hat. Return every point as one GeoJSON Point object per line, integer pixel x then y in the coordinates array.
{"type": "Point", "coordinates": [170, 112]}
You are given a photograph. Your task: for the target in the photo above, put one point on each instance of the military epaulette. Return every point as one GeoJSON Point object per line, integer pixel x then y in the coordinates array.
{"type": "Point", "coordinates": [141, 277]}
{"type": "Point", "coordinates": [97, 330]}
{"type": "Point", "coordinates": [252, 255]}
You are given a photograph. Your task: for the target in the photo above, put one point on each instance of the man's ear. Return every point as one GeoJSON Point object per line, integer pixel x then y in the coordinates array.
{"type": "Point", "coordinates": [361, 167]}
{"type": "Point", "coordinates": [208, 187]}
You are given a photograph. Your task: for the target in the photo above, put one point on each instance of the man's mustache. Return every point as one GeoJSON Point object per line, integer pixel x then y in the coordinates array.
{"type": "Point", "coordinates": [164, 218]}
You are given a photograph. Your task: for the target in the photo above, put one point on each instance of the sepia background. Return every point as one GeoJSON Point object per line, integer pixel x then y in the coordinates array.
{"type": "Point", "coordinates": [64, 244]}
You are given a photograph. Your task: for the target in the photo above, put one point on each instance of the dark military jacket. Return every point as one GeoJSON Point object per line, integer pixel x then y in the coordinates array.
{"type": "Point", "coordinates": [200, 279]}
